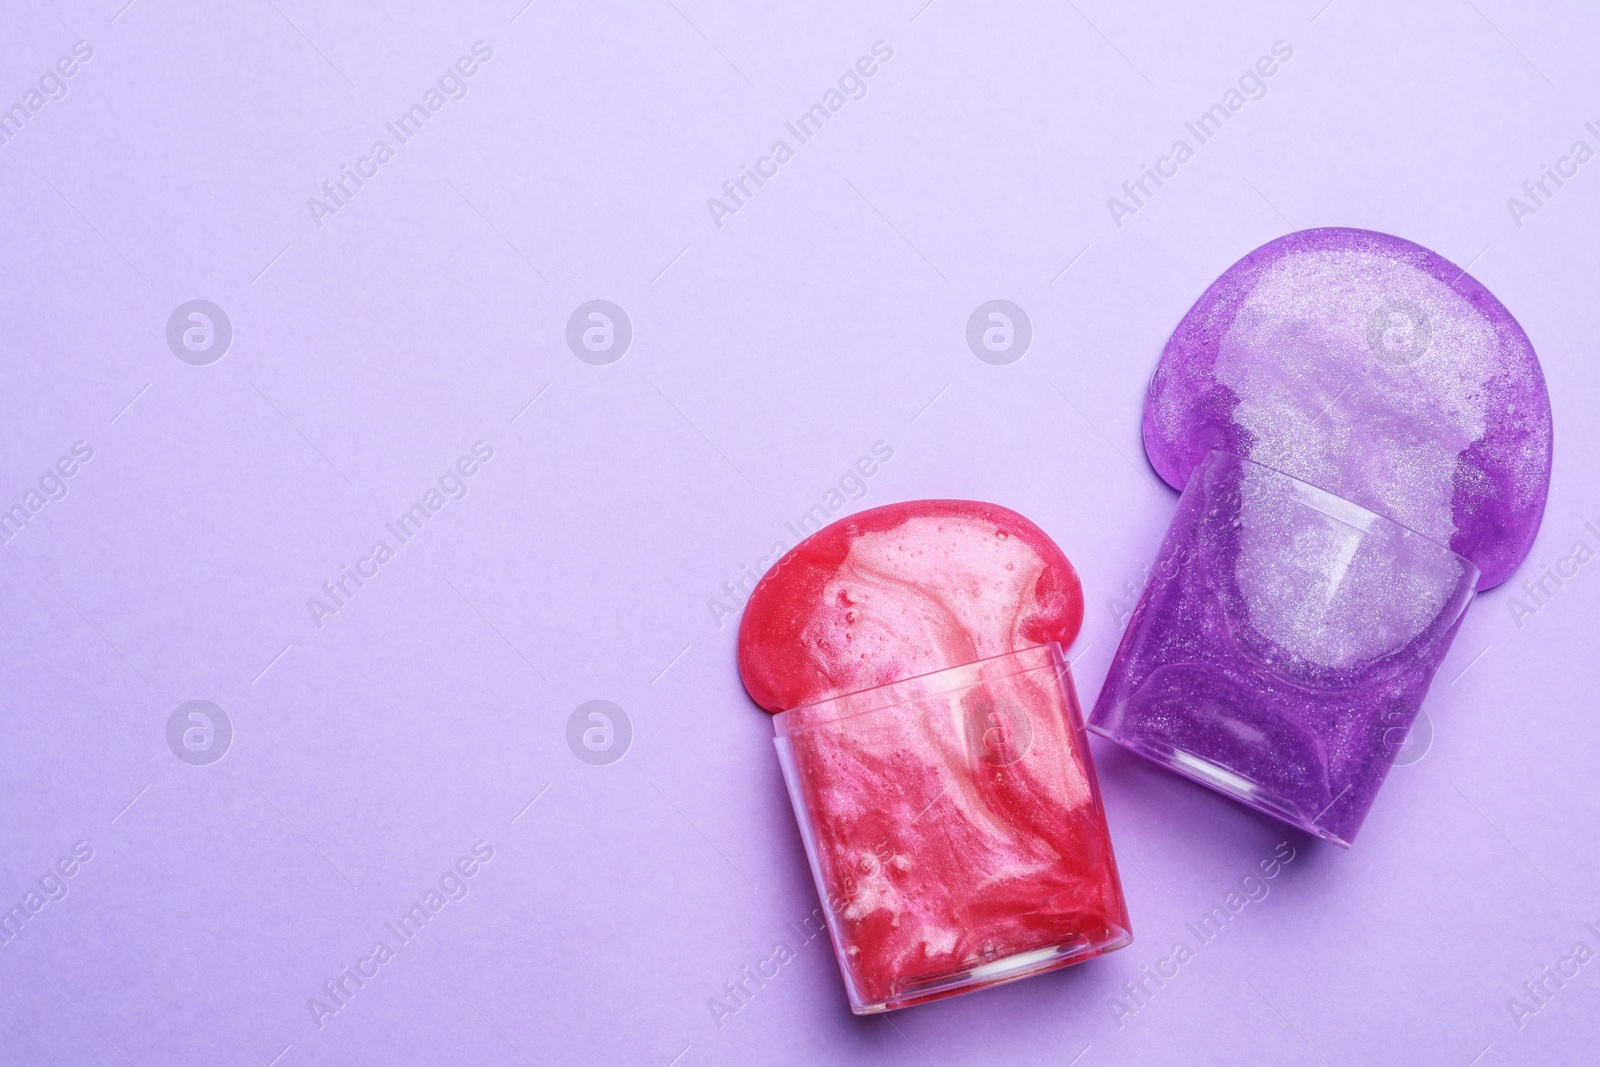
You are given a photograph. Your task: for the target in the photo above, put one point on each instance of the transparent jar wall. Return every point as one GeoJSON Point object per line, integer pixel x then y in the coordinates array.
{"type": "Point", "coordinates": [1283, 645]}
{"type": "Point", "coordinates": [954, 829]}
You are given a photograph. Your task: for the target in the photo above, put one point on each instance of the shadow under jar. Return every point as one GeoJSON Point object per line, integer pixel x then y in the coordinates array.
{"type": "Point", "coordinates": [1283, 645]}
{"type": "Point", "coordinates": [954, 829]}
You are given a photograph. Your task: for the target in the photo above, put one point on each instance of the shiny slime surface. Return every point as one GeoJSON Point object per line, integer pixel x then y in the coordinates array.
{"type": "Point", "coordinates": [1363, 435]}
{"type": "Point", "coordinates": [949, 809]}
{"type": "Point", "coordinates": [1283, 645]}
{"type": "Point", "coordinates": [902, 590]}
{"type": "Point", "coordinates": [1372, 368]}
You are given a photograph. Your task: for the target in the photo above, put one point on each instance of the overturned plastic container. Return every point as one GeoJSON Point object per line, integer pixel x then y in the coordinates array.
{"type": "Point", "coordinates": [954, 828]}
{"type": "Point", "coordinates": [1283, 645]}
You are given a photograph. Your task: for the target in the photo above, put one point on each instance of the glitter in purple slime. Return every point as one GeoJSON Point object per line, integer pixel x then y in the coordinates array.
{"type": "Point", "coordinates": [1364, 436]}
{"type": "Point", "coordinates": [1374, 369]}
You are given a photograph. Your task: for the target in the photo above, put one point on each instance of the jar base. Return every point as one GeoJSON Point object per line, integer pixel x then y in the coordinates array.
{"type": "Point", "coordinates": [998, 972]}
{"type": "Point", "coordinates": [1224, 780]}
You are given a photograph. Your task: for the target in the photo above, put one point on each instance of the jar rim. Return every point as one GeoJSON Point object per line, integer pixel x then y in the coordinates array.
{"type": "Point", "coordinates": [921, 687]}
{"type": "Point", "coordinates": [1341, 509]}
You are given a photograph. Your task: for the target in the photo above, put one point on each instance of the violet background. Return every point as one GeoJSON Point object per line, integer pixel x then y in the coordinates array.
{"type": "Point", "coordinates": [768, 355]}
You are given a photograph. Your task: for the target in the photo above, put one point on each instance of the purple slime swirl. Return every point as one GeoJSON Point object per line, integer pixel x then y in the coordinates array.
{"type": "Point", "coordinates": [1372, 368]}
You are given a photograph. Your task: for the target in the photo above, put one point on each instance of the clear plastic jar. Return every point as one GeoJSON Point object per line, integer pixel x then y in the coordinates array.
{"type": "Point", "coordinates": [1283, 645]}
{"type": "Point", "coordinates": [954, 829]}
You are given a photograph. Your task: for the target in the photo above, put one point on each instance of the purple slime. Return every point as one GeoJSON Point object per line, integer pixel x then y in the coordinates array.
{"type": "Point", "coordinates": [1375, 369]}
{"type": "Point", "coordinates": [1363, 436]}
{"type": "Point", "coordinates": [1283, 645]}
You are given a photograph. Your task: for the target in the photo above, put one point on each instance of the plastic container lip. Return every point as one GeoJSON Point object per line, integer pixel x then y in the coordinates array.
{"type": "Point", "coordinates": [1358, 517]}
{"type": "Point", "coordinates": [1225, 781]}
{"type": "Point", "coordinates": [916, 687]}
{"type": "Point", "coordinates": [996, 973]}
